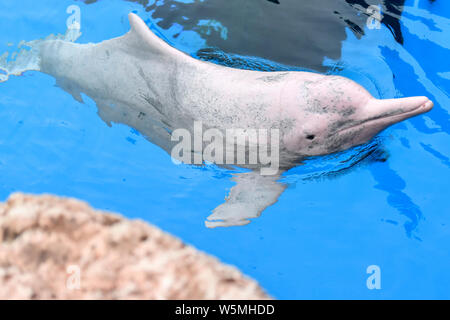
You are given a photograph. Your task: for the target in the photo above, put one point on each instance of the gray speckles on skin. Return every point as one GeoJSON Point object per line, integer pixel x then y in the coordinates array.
{"type": "Point", "coordinates": [273, 78]}
{"type": "Point", "coordinates": [173, 87]}
{"type": "Point", "coordinates": [168, 126]}
{"type": "Point", "coordinates": [337, 141]}
{"type": "Point", "coordinates": [335, 86]}
{"type": "Point", "coordinates": [286, 125]}
{"type": "Point", "coordinates": [151, 97]}
{"type": "Point", "coordinates": [340, 124]}
{"type": "Point", "coordinates": [315, 106]}
{"type": "Point", "coordinates": [347, 112]}
{"type": "Point", "coordinates": [348, 123]}
{"type": "Point", "coordinates": [141, 115]}
{"type": "Point", "coordinates": [153, 103]}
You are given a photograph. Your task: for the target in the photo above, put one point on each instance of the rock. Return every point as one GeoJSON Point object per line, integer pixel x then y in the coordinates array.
{"type": "Point", "coordinates": [55, 248]}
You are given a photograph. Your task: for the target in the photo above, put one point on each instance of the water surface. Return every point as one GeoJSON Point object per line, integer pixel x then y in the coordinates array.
{"type": "Point", "coordinates": [385, 203]}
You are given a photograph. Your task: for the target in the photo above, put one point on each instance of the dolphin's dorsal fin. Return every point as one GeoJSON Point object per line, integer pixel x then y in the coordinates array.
{"type": "Point", "coordinates": [142, 33]}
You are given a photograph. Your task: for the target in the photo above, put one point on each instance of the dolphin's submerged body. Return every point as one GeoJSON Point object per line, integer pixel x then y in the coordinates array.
{"type": "Point", "coordinates": [141, 81]}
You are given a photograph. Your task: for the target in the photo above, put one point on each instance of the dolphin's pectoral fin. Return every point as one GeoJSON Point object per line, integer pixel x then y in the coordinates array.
{"type": "Point", "coordinates": [247, 199]}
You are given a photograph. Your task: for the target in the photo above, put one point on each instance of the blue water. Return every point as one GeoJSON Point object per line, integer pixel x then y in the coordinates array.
{"type": "Point", "coordinates": [382, 204]}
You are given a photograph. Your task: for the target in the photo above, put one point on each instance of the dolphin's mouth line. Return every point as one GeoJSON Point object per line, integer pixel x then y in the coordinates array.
{"type": "Point", "coordinates": [392, 118]}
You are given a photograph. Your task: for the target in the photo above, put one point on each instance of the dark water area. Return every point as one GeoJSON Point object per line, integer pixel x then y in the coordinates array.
{"type": "Point", "coordinates": [290, 32]}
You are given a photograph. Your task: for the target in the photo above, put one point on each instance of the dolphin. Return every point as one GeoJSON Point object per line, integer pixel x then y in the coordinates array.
{"type": "Point", "coordinates": [141, 81]}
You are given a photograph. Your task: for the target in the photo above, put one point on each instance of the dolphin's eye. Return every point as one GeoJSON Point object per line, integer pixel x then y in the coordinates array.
{"type": "Point", "coordinates": [310, 136]}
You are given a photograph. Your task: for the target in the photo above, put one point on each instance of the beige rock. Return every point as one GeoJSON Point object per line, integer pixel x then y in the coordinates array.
{"type": "Point", "coordinates": [54, 248]}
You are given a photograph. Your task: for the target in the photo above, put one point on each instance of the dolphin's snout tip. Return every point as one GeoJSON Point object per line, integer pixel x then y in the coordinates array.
{"type": "Point", "coordinates": [422, 106]}
{"type": "Point", "coordinates": [417, 105]}
{"type": "Point", "coordinates": [427, 106]}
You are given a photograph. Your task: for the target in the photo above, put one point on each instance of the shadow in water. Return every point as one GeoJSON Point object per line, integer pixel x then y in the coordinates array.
{"type": "Point", "coordinates": [389, 181]}
{"type": "Point", "coordinates": [291, 32]}
{"type": "Point", "coordinates": [373, 157]}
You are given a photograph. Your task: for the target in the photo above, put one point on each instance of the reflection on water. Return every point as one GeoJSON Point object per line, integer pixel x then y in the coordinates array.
{"type": "Point", "coordinates": [389, 181]}
{"type": "Point", "coordinates": [335, 165]}
{"type": "Point", "coordinates": [291, 32]}
{"type": "Point", "coordinates": [445, 160]}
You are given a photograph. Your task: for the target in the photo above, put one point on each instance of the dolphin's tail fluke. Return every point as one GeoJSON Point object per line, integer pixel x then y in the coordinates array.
{"type": "Point", "coordinates": [26, 57]}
